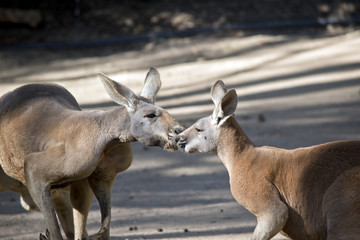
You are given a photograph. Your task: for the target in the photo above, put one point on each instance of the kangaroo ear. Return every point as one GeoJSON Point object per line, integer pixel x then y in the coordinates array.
{"type": "Point", "coordinates": [226, 107]}
{"type": "Point", "coordinates": [218, 90]}
{"type": "Point", "coordinates": [152, 85]}
{"type": "Point", "coordinates": [119, 93]}
{"type": "Point", "coordinates": [229, 102]}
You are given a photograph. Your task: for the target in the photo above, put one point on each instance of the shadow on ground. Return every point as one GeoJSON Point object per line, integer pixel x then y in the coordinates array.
{"type": "Point", "coordinates": [294, 91]}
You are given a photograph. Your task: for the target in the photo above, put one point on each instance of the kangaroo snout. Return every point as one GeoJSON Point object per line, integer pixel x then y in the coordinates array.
{"type": "Point", "coordinates": [181, 141]}
{"type": "Point", "coordinates": [179, 130]}
{"type": "Point", "coordinates": [175, 134]}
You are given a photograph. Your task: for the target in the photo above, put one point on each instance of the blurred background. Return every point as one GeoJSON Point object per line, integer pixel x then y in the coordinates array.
{"type": "Point", "coordinates": [41, 21]}
{"type": "Point", "coordinates": [294, 64]}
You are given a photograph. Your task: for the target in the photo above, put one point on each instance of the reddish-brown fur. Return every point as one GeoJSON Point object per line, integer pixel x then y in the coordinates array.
{"type": "Point", "coordinates": [306, 193]}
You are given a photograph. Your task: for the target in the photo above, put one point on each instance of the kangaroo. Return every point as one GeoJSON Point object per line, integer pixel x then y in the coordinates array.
{"type": "Point", "coordinates": [305, 193]}
{"type": "Point", "coordinates": [48, 144]}
{"type": "Point", "coordinates": [60, 197]}
{"type": "Point", "coordinates": [8, 183]}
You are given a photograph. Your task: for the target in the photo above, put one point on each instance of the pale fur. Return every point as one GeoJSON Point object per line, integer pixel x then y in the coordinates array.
{"type": "Point", "coordinates": [63, 155]}
{"type": "Point", "coordinates": [305, 193]}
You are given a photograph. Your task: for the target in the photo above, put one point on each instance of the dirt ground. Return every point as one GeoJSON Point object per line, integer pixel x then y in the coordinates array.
{"type": "Point", "coordinates": [294, 90]}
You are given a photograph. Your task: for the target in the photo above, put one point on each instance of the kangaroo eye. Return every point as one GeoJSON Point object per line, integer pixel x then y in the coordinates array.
{"type": "Point", "coordinates": [151, 115]}
{"type": "Point", "coordinates": [198, 130]}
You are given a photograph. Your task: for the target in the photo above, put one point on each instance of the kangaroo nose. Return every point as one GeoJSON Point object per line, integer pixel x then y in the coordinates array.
{"type": "Point", "coordinates": [178, 130]}
{"type": "Point", "coordinates": [179, 137]}
{"type": "Point", "coordinates": [181, 141]}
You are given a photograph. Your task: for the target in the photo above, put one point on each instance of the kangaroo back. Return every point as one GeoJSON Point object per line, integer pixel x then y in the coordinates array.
{"type": "Point", "coordinates": [32, 92]}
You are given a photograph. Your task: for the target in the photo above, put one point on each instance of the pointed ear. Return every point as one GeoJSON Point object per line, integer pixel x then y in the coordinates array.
{"type": "Point", "coordinates": [152, 85]}
{"type": "Point", "coordinates": [229, 102]}
{"type": "Point", "coordinates": [218, 90]}
{"type": "Point", "coordinates": [119, 93]}
{"type": "Point", "coordinates": [226, 107]}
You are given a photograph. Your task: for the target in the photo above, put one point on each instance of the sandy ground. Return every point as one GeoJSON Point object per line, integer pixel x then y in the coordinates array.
{"type": "Point", "coordinates": [294, 91]}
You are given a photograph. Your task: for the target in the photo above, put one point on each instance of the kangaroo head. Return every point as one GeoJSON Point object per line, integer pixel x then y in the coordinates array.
{"type": "Point", "coordinates": [149, 123]}
{"type": "Point", "coordinates": [202, 135]}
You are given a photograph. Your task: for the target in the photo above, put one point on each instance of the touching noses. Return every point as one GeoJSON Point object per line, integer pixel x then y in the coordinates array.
{"type": "Point", "coordinates": [178, 131]}
{"type": "Point", "coordinates": [174, 134]}
{"type": "Point", "coordinates": [181, 140]}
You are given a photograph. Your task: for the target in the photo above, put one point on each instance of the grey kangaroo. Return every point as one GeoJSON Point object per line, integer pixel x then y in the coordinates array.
{"type": "Point", "coordinates": [63, 155]}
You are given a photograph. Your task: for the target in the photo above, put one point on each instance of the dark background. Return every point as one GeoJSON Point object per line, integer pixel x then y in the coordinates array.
{"type": "Point", "coordinates": [43, 21]}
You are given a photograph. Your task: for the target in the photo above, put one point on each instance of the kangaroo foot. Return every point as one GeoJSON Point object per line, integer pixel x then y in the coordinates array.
{"type": "Point", "coordinates": [103, 234]}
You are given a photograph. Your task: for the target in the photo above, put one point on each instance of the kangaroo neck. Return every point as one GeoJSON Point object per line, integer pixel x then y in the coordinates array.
{"type": "Point", "coordinates": [231, 142]}
{"type": "Point", "coordinates": [116, 124]}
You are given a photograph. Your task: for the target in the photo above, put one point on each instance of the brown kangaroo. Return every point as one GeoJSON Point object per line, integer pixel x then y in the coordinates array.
{"type": "Point", "coordinates": [305, 193]}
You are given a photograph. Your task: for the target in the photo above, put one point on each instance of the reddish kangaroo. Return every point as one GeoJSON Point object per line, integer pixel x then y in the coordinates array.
{"type": "Point", "coordinates": [305, 193]}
